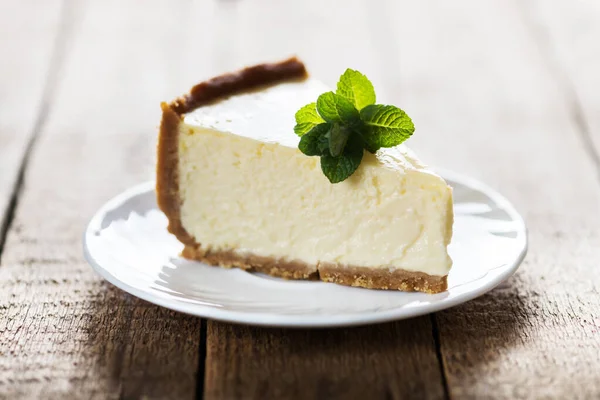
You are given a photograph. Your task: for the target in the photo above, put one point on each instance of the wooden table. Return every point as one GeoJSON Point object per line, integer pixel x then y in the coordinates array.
{"type": "Point", "coordinates": [505, 91]}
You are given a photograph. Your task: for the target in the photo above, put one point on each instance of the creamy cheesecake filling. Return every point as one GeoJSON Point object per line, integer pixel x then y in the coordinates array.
{"type": "Point", "coordinates": [238, 193]}
{"type": "Point", "coordinates": [270, 200]}
{"type": "Point", "coordinates": [245, 188]}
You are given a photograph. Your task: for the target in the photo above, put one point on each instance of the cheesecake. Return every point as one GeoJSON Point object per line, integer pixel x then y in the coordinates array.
{"type": "Point", "coordinates": [237, 192]}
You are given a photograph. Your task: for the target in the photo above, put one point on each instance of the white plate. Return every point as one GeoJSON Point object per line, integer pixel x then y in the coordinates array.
{"type": "Point", "coordinates": [127, 243]}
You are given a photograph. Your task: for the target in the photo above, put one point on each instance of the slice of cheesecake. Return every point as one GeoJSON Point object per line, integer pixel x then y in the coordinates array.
{"type": "Point", "coordinates": [239, 193]}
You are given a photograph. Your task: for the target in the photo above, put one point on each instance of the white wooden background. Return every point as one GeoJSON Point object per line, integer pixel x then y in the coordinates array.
{"type": "Point", "coordinates": [507, 91]}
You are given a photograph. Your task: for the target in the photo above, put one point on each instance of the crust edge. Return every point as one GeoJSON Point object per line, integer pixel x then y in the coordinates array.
{"type": "Point", "coordinates": [253, 263]}
{"type": "Point", "coordinates": [399, 279]}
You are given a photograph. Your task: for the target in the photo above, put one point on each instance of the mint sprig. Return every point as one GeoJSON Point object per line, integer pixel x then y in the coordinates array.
{"type": "Point", "coordinates": [307, 118]}
{"type": "Point", "coordinates": [314, 142]}
{"type": "Point", "coordinates": [385, 126]}
{"type": "Point", "coordinates": [339, 126]}
{"type": "Point", "coordinates": [335, 108]}
{"type": "Point", "coordinates": [355, 87]}
{"type": "Point", "coordinates": [339, 168]}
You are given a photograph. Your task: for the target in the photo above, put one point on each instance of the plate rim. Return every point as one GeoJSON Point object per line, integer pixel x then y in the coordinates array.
{"type": "Point", "coordinates": [304, 321]}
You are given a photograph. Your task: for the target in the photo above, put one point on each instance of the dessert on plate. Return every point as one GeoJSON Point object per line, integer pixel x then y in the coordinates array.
{"type": "Point", "coordinates": [267, 170]}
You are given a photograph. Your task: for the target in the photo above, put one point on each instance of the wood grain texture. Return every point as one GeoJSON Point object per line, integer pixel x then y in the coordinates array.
{"type": "Point", "coordinates": [388, 361]}
{"type": "Point", "coordinates": [567, 33]}
{"type": "Point", "coordinates": [384, 361]}
{"type": "Point", "coordinates": [486, 102]}
{"type": "Point", "coordinates": [65, 333]}
{"type": "Point", "coordinates": [503, 91]}
{"type": "Point", "coordinates": [23, 77]}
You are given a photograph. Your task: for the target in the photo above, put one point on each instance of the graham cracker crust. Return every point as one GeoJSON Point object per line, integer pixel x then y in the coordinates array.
{"type": "Point", "coordinates": [381, 278]}
{"type": "Point", "coordinates": [167, 192]}
{"type": "Point", "coordinates": [252, 263]}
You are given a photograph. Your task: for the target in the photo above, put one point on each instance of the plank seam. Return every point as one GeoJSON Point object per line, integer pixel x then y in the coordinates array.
{"type": "Point", "coordinates": [50, 84]}
{"type": "Point", "coordinates": [200, 375]}
{"type": "Point", "coordinates": [438, 352]}
{"type": "Point", "coordinates": [539, 34]}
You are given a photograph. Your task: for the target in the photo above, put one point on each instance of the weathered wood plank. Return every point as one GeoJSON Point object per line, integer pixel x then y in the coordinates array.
{"type": "Point", "coordinates": [382, 361]}
{"type": "Point", "coordinates": [567, 33]}
{"type": "Point", "coordinates": [22, 81]}
{"type": "Point", "coordinates": [395, 360]}
{"type": "Point", "coordinates": [65, 332]}
{"type": "Point", "coordinates": [485, 102]}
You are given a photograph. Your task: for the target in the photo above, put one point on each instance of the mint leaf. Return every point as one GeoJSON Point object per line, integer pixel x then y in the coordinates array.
{"type": "Point", "coordinates": [338, 136]}
{"type": "Point", "coordinates": [339, 168]}
{"type": "Point", "coordinates": [307, 118]}
{"type": "Point", "coordinates": [340, 126]}
{"type": "Point", "coordinates": [334, 108]}
{"type": "Point", "coordinates": [323, 143]}
{"type": "Point", "coordinates": [310, 143]}
{"type": "Point", "coordinates": [356, 88]}
{"type": "Point", "coordinates": [385, 126]}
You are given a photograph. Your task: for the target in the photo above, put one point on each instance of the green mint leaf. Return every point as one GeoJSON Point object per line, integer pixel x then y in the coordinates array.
{"type": "Point", "coordinates": [338, 136]}
{"type": "Point", "coordinates": [311, 142]}
{"type": "Point", "coordinates": [356, 88]}
{"type": "Point", "coordinates": [340, 126]}
{"type": "Point", "coordinates": [334, 108]}
{"type": "Point", "coordinates": [307, 118]}
{"type": "Point", "coordinates": [339, 168]}
{"type": "Point", "coordinates": [385, 126]}
{"type": "Point", "coordinates": [323, 143]}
